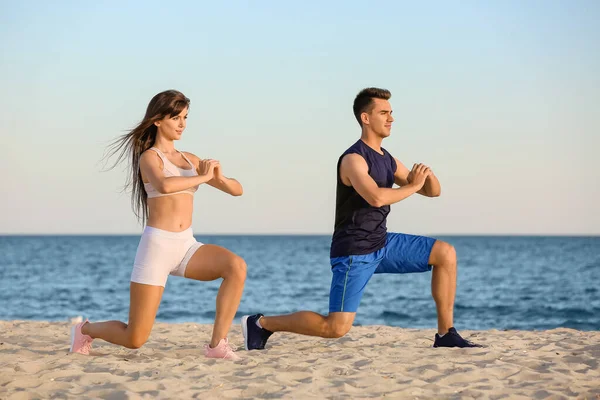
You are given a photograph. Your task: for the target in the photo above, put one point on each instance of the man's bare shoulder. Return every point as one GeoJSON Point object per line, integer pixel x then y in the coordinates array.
{"type": "Point", "coordinates": [352, 160]}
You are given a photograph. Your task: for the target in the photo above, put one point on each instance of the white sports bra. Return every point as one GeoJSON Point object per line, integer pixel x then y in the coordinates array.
{"type": "Point", "coordinates": [170, 169]}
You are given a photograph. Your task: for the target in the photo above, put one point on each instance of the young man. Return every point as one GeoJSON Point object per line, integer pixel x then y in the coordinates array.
{"type": "Point", "coordinates": [361, 245]}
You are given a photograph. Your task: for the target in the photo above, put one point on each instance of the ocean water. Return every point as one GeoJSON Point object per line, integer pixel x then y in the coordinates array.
{"type": "Point", "coordinates": [512, 282]}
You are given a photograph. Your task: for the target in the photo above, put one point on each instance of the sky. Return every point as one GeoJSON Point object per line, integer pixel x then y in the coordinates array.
{"type": "Point", "coordinates": [500, 98]}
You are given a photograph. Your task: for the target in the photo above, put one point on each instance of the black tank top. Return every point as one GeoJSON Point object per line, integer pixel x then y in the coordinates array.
{"type": "Point", "coordinates": [359, 227]}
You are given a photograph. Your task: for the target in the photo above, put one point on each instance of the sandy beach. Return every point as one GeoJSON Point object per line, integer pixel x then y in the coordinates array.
{"type": "Point", "coordinates": [370, 362]}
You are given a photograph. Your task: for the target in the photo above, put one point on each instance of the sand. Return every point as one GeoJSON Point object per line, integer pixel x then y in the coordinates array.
{"type": "Point", "coordinates": [370, 362]}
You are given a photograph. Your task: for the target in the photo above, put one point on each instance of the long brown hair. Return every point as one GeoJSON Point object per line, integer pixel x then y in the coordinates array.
{"type": "Point", "coordinates": [132, 144]}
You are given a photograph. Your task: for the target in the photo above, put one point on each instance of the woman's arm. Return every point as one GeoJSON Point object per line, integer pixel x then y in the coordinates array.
{"type": "Point", "coordinates": [151, 168]}
{"type": "Point", "coordinates": [219, 181]}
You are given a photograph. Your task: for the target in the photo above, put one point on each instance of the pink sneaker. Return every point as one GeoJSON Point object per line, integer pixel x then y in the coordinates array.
{"type": "Point", "coordinates": [80, 343]}
{"type": "Point", "coordinates": [223, 350]}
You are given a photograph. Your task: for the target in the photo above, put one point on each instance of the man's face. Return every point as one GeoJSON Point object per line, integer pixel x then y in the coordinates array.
{"type": "Point", "coordinates": [380, 118]}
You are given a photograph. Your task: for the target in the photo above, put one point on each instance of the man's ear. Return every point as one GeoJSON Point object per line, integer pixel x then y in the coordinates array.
{"type": "Point", "coordinates": [364, 117]}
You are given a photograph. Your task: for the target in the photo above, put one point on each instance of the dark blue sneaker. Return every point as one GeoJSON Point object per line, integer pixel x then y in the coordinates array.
{"type": "Point", "coordinates": [452, 339]}
{"type": "Point", "coordinates": [255, 338]}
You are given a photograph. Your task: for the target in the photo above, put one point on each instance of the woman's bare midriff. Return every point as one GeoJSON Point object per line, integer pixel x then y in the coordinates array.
{"type": "Point", "coordinates": [171, 213]}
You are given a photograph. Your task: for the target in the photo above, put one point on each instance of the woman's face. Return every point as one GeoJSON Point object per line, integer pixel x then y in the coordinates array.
{"type": "Point", "coordinates": [172, 127]}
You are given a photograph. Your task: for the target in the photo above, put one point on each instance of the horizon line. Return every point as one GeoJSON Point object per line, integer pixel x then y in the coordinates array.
{"type": "Point", "coordinates": [488, 234]}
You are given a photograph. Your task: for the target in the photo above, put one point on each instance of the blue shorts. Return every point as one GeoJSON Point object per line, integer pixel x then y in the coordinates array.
{"type": "Point", "coordinates": [401, 254]}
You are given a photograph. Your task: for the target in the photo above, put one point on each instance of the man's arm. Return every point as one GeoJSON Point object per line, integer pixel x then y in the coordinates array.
{"type": "Point", "coordinates": [354, 172]}
{"type": "Point", "coordinates": [403, 177]}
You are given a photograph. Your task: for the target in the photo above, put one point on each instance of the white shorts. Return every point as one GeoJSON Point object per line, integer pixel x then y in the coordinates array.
{"type": "Point", "coordinates": [162, 253]}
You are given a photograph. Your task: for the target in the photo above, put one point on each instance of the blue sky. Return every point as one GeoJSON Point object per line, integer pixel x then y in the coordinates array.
{"type": "Point", "coordinates": [499, 98]}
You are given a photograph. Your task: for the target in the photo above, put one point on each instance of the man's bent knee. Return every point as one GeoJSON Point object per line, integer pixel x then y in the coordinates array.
{"type": "Point", "coordinates": [340, 331]}
{"type": "Point", "coordinates": [337, 330]}
{"type": "Point", "coordinates": [442, 254]}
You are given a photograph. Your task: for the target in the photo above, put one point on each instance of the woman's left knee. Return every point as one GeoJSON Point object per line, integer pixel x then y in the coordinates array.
{"type": "Point", "coordinates": [237, 268]}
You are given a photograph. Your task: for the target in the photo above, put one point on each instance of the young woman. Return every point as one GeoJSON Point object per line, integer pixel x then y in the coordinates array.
{"type": "Point", "coordinates": [163, 181]}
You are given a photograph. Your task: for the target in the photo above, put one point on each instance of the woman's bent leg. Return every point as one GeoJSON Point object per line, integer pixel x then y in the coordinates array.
{"type": "Point", "coordinates": [144, 302]}
{"type": "Point", "coordinates": [212, 262]}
